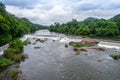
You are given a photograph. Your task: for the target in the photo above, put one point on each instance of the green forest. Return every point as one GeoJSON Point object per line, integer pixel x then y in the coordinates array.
{"type": "Point", "coordinates": [92, 27]}
{"type": "Point", "coordinates": [12, 27]}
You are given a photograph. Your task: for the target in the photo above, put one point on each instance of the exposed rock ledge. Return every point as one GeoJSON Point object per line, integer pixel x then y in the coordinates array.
{"type": "Point", "coordinates": [92, 42]}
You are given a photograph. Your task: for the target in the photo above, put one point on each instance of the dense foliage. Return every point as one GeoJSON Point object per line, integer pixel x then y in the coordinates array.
{"type": "Point", "coordinates": [14, 52]}
{"type": "Point", "coordinates": [12, 27]}
{"type": "Point", "coordinates": [90, 27]}
{"type": "Point", "coordinates": [5, 62]}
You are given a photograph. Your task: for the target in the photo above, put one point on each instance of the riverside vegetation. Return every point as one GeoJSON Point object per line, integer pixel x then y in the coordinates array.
{"type": "Point", "coordinates": [12, 27]}
{"type": "Point", "coordinates": [13, 54]}
{"type": "Point", "coordinates": [92, 27]}
{"type": "Point", "coordinates": [115, 56]}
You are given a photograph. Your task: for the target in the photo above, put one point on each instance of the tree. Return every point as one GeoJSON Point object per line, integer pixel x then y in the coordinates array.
{"type": "Point", "coordinates": [2, 7]}
{"type": "Point", "coordinates": [12, 27]}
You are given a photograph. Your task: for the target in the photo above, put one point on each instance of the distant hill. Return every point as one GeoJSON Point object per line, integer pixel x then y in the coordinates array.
{"type": "Point", "coordinates": [91, 19]}
{"type": "Point", "coordinates": [116, 18]}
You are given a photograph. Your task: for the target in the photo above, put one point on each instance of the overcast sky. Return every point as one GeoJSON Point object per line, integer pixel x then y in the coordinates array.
{"type": "Point", "coordinates": [47, 12]}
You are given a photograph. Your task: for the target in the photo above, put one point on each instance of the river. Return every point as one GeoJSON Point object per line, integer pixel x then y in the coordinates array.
{"type": "Point", "coordinates": [51, 60]}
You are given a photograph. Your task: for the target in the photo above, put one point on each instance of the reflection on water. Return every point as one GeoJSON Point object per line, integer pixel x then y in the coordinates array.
{"type": "Point", "coordinates": [51, 60]}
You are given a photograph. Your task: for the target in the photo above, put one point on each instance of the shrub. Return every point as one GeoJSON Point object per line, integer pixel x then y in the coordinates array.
{"type": "Point", "coordinates": [14, 74]}
{"type": "Point", "coordinates": [14, 52]}
{"type": "Point", "coordinates": [9, 53]}
{"type": "Point", "coordinates": [25, 42]}
{"type": "Point", "coordinates": [4, 62]}
{"type": "Point", "coordinates": [115, 56]}
{"type": "Point", "coordinates": [118, 37]}
{"type": "Point", "coordinates": [19, 57]}
{"type": "Point", "coordinates": [17, 44]}
{"type": "Point", "coordinates": [5, 39]}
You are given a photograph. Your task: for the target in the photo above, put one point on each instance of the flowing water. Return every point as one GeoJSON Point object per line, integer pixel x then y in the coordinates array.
{"type": "Point", "coordinates": [51, 60]}
{"type": "Point", "coordinates": [2, 48]}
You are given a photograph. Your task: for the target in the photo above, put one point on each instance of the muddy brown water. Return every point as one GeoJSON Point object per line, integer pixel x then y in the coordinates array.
{"type": "Point", "coordinates": [51, 60]}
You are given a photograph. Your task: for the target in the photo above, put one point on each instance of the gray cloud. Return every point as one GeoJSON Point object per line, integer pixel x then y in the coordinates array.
{"type": "Point", "coordinates": [20, 3]}
{"type": "Point", "coordinates": [50, 11]}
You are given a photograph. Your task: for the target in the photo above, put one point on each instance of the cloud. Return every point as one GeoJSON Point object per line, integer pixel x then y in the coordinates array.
{"type": "Point", "coordinates": [20, 3]}
{"type": "Point", "coordinates": [50, 11]}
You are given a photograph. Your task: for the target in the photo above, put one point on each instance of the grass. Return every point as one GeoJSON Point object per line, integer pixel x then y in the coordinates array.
{"type": "Point", "coordinates": [115, 56]}
{"type": "Point", "coordinates": [81, 45]}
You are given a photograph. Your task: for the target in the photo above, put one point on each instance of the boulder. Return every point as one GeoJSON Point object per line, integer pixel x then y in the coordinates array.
{"type": "Point", "coordinates": [73, 42]}
{"type": "Point", "coordinates": [76, 49]}
{"type": "Point", "coordinates": [66, 45]}
{"type": "Point", "coordinates": [80, 50]}
{"type": "Point", "coordinates": [34, 38]}
{"type": "Point", "coordinates": [98, 49]}
{"type": "Point", "coordinates": [26, 56]}
{"type": "Point", "coordinates": [83, 50]}
{"type": "Point", "coordinates": [39, 40]}
{"type": "Point", "coordinates": [92, 42]}
{"type": "Point", "coordinates": [29, 42]}
{"type": "Point", "coordinates": [34, 43]}
{"type": "Point", "coordinates": [53, 40]}
{"type": "Point", "coordinates": [37, 47]}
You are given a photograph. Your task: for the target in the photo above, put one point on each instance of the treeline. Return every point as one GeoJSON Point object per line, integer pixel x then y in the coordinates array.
{"type": "Point", "coordinates": [12, 27]}
{"type": "Point", "coordinates": [92, 27]}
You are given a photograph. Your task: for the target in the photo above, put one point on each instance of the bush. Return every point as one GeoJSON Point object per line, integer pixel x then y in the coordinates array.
{"type": "Point", "coordinates": [17, 44]}
{"type": "Point", "coordinates": [14, 74]}
{"type": "Point", "coordinates": [9, 53]}
{"type": "Point", "coordinates": [14, 52]}
{"type": "Point", "coordinates": [118, 37]}
{"type": "Point", "coordinates": [4, 62]}
{"type": "Point", "coordinates": [5, 39]}
{"type": "Point", "coordinates": [25, 42]}
{"type": "Point", "coordinates": [115, 56]}
{"type": "Point", "coordinates": [19, 57]}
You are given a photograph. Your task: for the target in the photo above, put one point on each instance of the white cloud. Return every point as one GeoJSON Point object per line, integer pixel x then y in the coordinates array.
{"type": "Point", "coordinates": [50, 11]}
